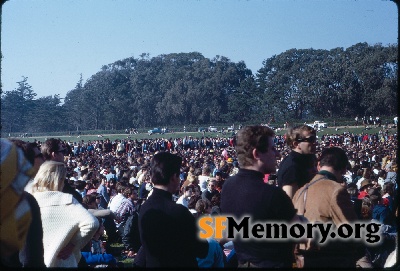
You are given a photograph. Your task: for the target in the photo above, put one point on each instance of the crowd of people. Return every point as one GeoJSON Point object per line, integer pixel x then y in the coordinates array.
{"type": "Point", "coordinates": [147, 194]}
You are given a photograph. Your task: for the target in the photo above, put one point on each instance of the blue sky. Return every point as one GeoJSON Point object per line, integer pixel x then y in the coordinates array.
{"type": "Point", "coordinates": [53, 41]}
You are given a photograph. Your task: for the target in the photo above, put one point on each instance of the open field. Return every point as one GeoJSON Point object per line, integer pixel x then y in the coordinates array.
{"type": "Point", "coordinates": [112, 137]}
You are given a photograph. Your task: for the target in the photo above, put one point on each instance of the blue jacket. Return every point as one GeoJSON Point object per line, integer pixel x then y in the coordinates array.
{"type": "Point", "coordinates": [382, 214]}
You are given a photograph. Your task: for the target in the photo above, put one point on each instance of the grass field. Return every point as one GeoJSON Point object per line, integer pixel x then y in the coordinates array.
{"type": "Point", "coordinates": [112, 137]}
{"type": "Point", "coordinates": [116, 250]}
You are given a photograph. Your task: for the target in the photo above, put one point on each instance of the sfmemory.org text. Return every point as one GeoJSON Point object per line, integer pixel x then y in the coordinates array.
{"type": "Point", "coordinates": [231, 228]}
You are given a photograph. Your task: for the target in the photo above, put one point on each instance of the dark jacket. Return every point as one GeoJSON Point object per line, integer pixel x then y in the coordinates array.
{"type": "Point", "coordinates": [382, 214]}
{"type": "Point", "coordinates": [31, 255]}
{"type": "Point", "coordinates": [168, 233]}
{"type": "Point", "coordinates": [131, 235]}
{"type": "Point", "coordinates": [246, 194]}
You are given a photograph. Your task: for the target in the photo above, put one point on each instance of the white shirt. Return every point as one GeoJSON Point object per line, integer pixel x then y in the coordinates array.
{"type": "Point", "coordinates": [203, 182]}
{"type": "Point", "coordinates": [359, 182]}
{"type": "Point", "coordinates": [183, 201]}
{"type": "Point", "coordinates": [115, 202]}
{"type": "Point", "coordinates": [64, 220]}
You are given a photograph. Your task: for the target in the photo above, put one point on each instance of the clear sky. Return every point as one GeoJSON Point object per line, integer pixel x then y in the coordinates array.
{"type": "Point", "coordinates": [52, 42]}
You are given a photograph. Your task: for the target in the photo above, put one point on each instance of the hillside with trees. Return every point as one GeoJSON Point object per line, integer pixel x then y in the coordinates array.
{"type": "Point", "coordinates": [189, 89]}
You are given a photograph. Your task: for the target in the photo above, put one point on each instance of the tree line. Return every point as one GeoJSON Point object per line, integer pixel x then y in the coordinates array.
{"type": "Point", "coordinates": [188, 89]}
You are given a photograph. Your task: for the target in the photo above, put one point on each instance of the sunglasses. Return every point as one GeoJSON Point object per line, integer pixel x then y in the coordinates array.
{"type": "Point", "coordinates": [310, 139]}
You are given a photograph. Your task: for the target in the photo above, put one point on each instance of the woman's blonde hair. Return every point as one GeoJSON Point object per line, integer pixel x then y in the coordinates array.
{"type": "Point", "coordinates": [192, 178]}
{"type": "Point", "coordinates": [50, 177]}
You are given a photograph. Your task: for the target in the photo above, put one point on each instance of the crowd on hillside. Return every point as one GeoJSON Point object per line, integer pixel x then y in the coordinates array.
{"type": "Point", "coordinates": [111, 179]}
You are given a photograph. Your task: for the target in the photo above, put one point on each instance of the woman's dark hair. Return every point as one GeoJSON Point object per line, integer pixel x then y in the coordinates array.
{"type": "Point", "coordinates": [127, 192]}
{"type": "Point", "coordinates": [27, 148]}
{"type": "Point", "coordinates": [216, 200]}
{"type": "Point", "coordinates": [193, 200]}
{"type": "Point", "coordinates": [87, 200]}
{"type": "Point", "coordinates": [163, 166]}
{"type": "Point", "coordinates": [388, 187]}
{"type": "Point", "coordinates": [202, 205]}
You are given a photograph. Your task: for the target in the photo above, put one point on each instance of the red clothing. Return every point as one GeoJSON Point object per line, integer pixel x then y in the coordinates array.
{"type": "Point", "coordinates": [386, 201]}
{"type": "Point", "coordinates": [362, 194]}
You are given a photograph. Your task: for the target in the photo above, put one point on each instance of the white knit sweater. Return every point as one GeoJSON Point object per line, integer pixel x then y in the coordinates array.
{"type": "Point", "coordinates": [64, 220]}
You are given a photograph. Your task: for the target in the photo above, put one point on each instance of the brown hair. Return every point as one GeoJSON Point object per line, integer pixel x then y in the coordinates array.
{"type": "Point", "coordinates": [296, 133]}
{"type": "Point", "coordinates": [202, 205]}
{"type": "Point", "coordinates": [249, 138]}
{"type": "Point", "coordinates": [49, 146]}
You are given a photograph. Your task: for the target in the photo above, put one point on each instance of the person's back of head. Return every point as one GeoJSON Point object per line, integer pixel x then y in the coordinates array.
{"type": "Point", "coordinates": [374, 195]}
{"type": "Point", "coordinates": [80, 185]}
{"type": "Point", "coordinates": [206, 171]}
{"type": "Point", "coordinates": [366, 208]}
{"type": "Point", "coordinates": [95, 183]}
{"type": "Point", "coordinates": [250, 138]}
{"type": "Point", "coordinates": [28, 150]}
{"type": "Point", "coordinates": [203, 206]}
{"type": "Point", "coordinates": [193, 200]}
{"type": "Point", "coordinates": [334, 157]}
{"type": "Point", "coordinates": [163, 166]}
{"type": "Point", "coordinates": [49, 146]}
{"type": "Point", "coordinates": [31, 151]}
{"type": "Point", "coordinates": [50, 177]}
{"type": "Point", "coordinates": [89, 201]}
{"type": "Point", "coordinates": [388, 187]}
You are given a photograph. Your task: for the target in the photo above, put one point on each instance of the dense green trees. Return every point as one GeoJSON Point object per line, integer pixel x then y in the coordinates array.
{"type": "Point", "coordinates": [337, 83]}
{"type": "Point", "coordinates": [189, 89]}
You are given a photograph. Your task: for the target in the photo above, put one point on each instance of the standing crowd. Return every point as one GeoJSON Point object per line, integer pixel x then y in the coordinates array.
{"type": "Point", "coordinates": [63, 203]}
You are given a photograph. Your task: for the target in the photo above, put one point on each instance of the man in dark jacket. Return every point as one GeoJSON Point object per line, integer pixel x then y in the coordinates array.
{"type": "Point", "coordinates": [246, 194]}
{"type": "Point", "coordinates": [210, 191]}
{"type": "Point", "coordinates": [168, 231]}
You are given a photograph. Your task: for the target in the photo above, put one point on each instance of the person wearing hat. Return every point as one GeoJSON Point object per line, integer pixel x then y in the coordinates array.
{"type": "Point", "coordinates": [365, 185]}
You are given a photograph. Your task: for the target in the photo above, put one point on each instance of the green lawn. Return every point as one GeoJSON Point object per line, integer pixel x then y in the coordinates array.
{"type": "Point", "coordinates": [116, 250]}
{"type": "Point", "coordinates": [112, 137]}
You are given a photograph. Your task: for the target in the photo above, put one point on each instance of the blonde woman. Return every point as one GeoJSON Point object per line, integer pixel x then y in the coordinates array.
{"type": "Point", "coordinates": [67, 225]}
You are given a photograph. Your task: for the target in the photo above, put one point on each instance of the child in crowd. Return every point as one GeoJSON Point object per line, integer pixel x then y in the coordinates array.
{"type": "Point", "coordinates": [94, 252]}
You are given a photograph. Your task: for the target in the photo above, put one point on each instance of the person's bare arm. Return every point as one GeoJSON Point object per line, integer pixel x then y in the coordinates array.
{"type": "Point", "coordinates": [290, 189]}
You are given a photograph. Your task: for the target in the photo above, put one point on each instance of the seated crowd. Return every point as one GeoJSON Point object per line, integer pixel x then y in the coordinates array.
{"type": "Point", "coordinates": [104, 184]}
